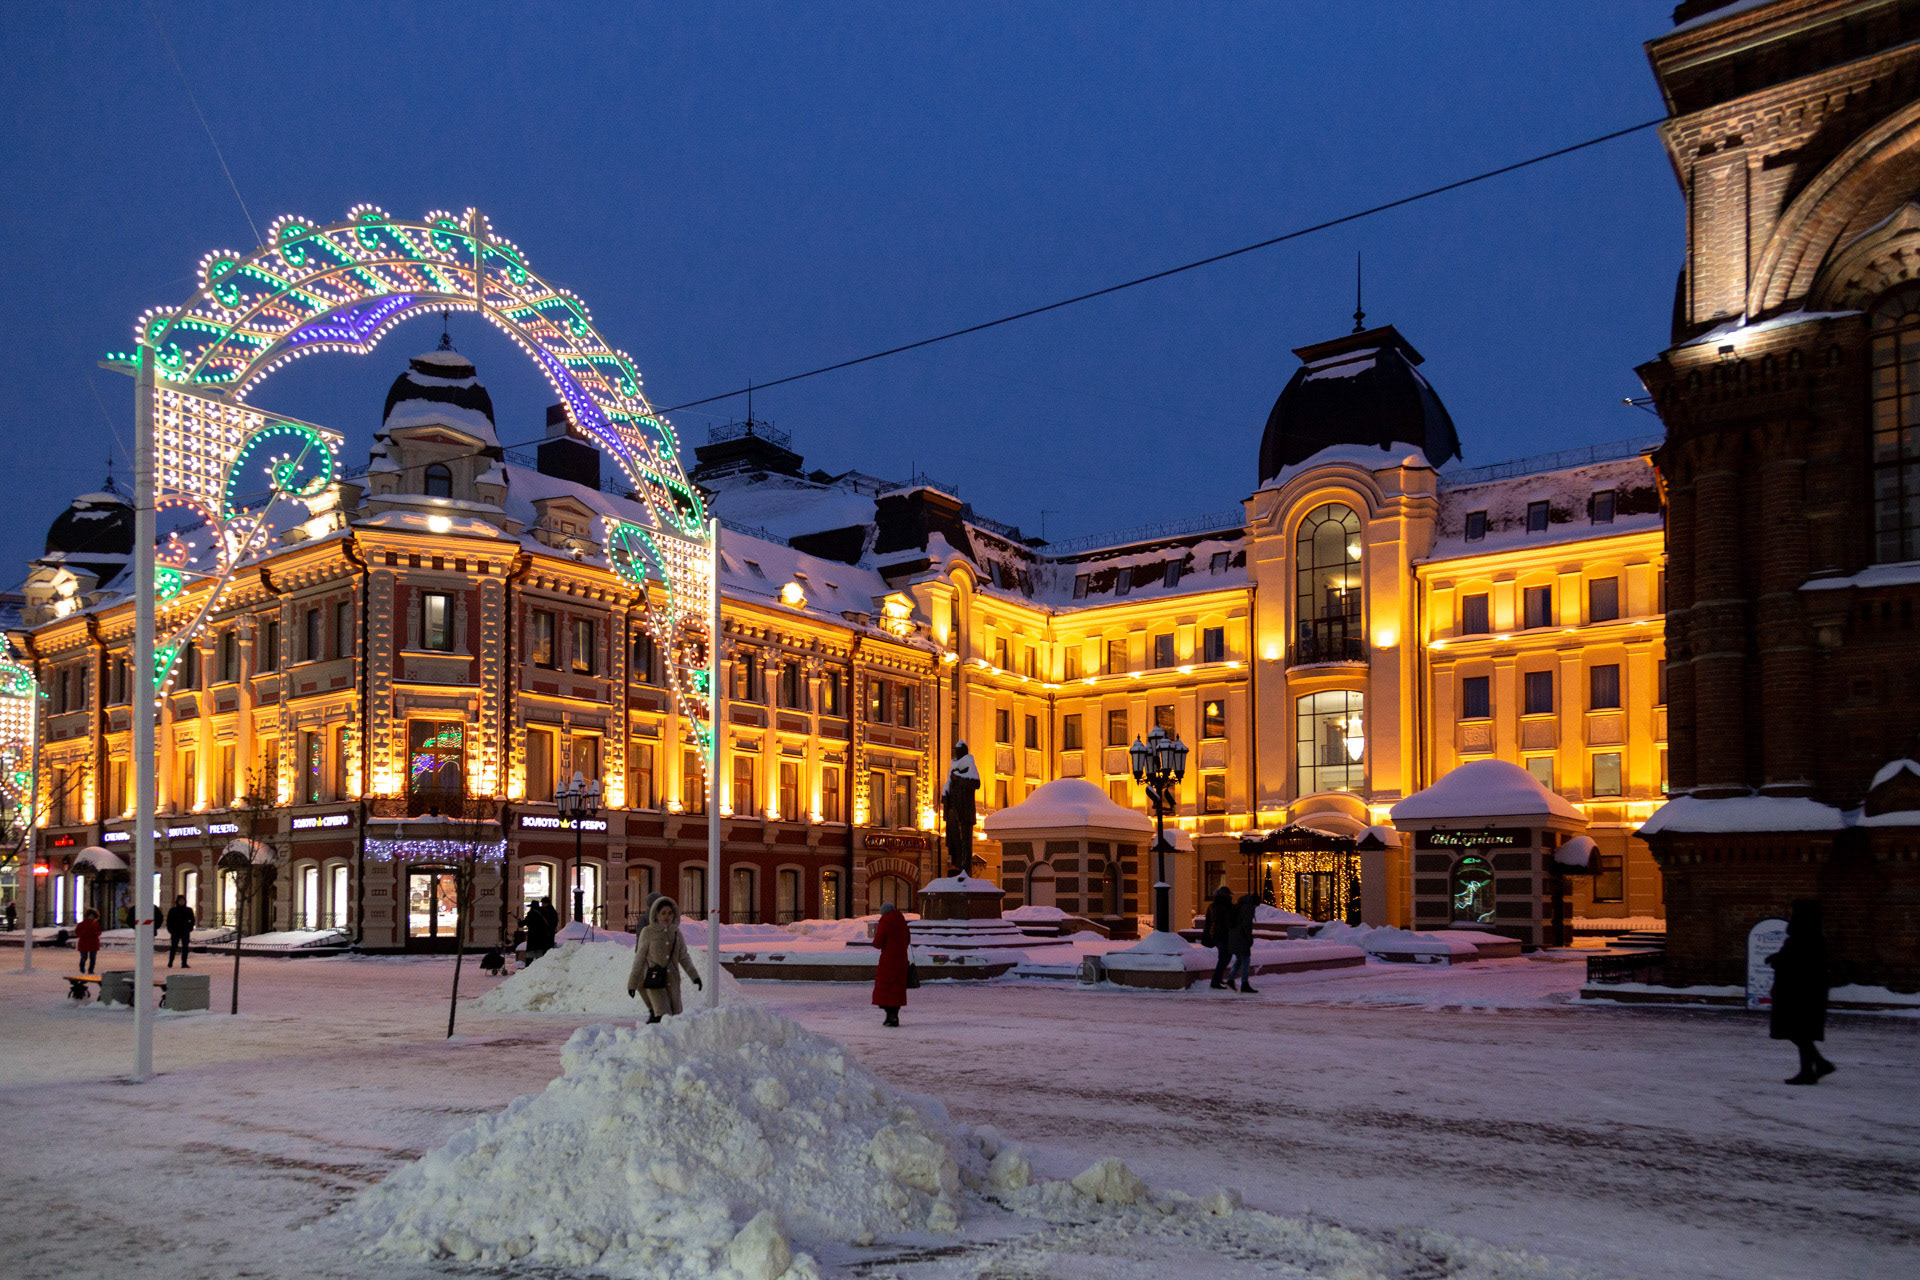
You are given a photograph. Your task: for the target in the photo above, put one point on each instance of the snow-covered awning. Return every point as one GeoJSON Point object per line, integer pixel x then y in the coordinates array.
{"type": "Point", "coordinates": [259, 854]}
{"type": "Point", "coordinates": [1486, 789]}
{"type": "Point", "coordinates": [1066, 803]}
{"type": "Point", "coordinates": [1577, 854]}
{"type": "Point", "coordinates": [99, 859]}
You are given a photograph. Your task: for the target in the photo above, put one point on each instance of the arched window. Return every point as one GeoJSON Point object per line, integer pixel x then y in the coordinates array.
{"type": "Point", "coordinates": [439, 481]}
{"type": "Point", "coordinates": [1332, 741]}
{"type": "Point", "coordinates": [1326, 557]}
{"type": "Point", "coordinates": [1895, 388]}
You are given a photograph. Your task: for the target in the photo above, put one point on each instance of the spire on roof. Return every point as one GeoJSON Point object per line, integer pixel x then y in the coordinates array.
{"type": "Point", "coordinates": [446, 338]}
{"type": "Point", "coordinates": [1359, 311]}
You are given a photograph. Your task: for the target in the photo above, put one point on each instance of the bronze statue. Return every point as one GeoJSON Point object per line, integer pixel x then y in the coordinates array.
{"type": "Point", "coordinates": [956, 805]}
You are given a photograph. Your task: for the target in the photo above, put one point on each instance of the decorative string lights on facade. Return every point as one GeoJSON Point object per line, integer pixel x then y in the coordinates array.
{"type": "Point", "coordinates": [18, 692]}
{"type": "Point", "coordinates": [442, 851]}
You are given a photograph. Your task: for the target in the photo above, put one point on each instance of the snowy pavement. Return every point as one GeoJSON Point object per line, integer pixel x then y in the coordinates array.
{"type": "Point", "coordinates": [1477, 1100]}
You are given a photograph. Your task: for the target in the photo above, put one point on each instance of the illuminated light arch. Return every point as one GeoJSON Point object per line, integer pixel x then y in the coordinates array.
{"type": "Point", "coordinates": [342, 288]}
{"type": "Point", "coordinates": [19, 692]}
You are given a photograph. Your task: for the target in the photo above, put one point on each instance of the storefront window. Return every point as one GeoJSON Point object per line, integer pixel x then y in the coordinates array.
{"type": "Point", "coordinates": [337, 899]}
{"type": "Point", "coordinates": [536, 882]}
{"type": "Point", "coordinates": [830, 895]}
{"type": "Point", "coordinates": [1332, 742]}
{"type": "Point", "coordinates": [1473, 890]}
{"type": "Point", "coordinates": [743, 905]}
{"type": "Point", "coordinates": [310, 898]}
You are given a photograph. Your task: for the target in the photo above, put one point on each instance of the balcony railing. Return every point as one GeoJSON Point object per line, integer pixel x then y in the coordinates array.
{"type": "Point", "coordinates": [1328, 640]}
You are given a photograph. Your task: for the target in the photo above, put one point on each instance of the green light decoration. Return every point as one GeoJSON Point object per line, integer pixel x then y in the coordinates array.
{"type": "Point", "coordinates": [16, 681]}
{"type": "Point", "coordinates": [168, 582]}
{"type": "Point", "coordinates": [163, 656]}
{"type": "Point", "coordinates": [343, 287]}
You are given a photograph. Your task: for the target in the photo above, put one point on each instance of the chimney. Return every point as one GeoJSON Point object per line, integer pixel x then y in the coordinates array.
{"type": "Point", "coordinates": [565, 456]}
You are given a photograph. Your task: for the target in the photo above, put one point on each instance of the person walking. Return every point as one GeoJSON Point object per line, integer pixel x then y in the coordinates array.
{"type": "Point", "coordinates": [86, 940]}
{"type": "Point", "coordinates": [539, 931]}
{"type": "Point", "coordinates": [1800, 987]}
{"type": "Point", "coordinates": [553, 919]}
{"type": "Point", "coordinates": [891, 936]}
{"type": "Point", "coordinates": [659, 957]}
{"type": "Point", "coordinates": [1215, 932]}
{"type": "Point", "coordinates": [180, 924]}
{"type": "Point", "coordinates": [1242, 942]}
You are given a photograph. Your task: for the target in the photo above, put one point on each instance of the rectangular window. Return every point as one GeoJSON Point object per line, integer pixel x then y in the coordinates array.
{"type": "Point", "coordinates": [1330, 740]}
{"type": "Point", "coordinates": [1610, 881]}
{"type": "Point", "coordinates": [830, 794]}
{"type": "Point", "coordinates": [877, 798]}
{"type": "Point", "coordinates": [341, 788]}
{"type": "Point", "coordinates": [436, 622]}
{"type": "Point", "coordinates": [267, 658]}
{"type": "Point", "coordinates": [1539, 607]}
{"type": "Point", "coordinates": [745, 797]}
{"type": "Point", "coordinates": [540, 786]}
{"type": "Point", "coordinates": [1080, 581]}
{"type": "Point", "coordinates": [1213, 876]}
{"type": "Point", "coordinates": [1537, 513]}
{"type": "Point", "coordinates": [830, 694]}
{"type": "Point", "coordinates": [1474, 617]}
{"type": "Point", "coordinates": [313, 767]}
{"type": "Point", "coordinates": [189, 676]}
{"type": "Point", "coordinates": [787, 897]}
{"type": "Point", "coordinates": [1033, 733]}
{"type": "Point", "coordinates": [1541, 767]}
{"type": "Point", "coordinates": [223, 783]}
{"type": "Point", "coordinates": [1213, 644]}
{"type": "Point", "coordinates": [1070, 662]}
{"type": "Point", "coordinates": [693, 787]}
{"type": "Point", "coordinates": [904, 813]}
{"type": "Point", "coordinates": [1000, 793]}
{"type": "Point", "coordinates": [586, 756]}
{"type": "Point", "coordinates": [1660, 682]}
{"type": "Point", "coordinates": [1163, 651]}
{"type": "Point", "coordinates": [1603, 600]}
{"type": "Point", "coordinates": [270, 770]}
{"type": "Point", "coordinates": [1120, 791]}
{"type": "Point", "coordinates": [1606, 773]}
{"type": "Point", "coordinates": [903, 706]}
{"type": "Point", "coordinates": [229, 656]}
{"type": "Point", "coordinates": [693, 892]}
{"type": "Point", "coordinates": [788, 686]}
{"type": "Point", "coordinates": [1213, 793]}
{"type": "Point", "coordinates": [540, 638]}
{"type": "Point", "coordinates": [1070, 732]}
{"type": "Point", "coordinates": [1123, 582]}
{"type": "Point", "coordinates": [1476, 698]}
{"type": "Point", "coordinates": [1219, 561]}
{"type": "Point", "coordinates": [343, 645]}
{"type": "Point", "coordinates": [790, 792]}
{"type": "Point", "coordinates": [1600, 506]}
{"type": "Point", "coordinates": [1116, 657]}
{"type": "Point", "coordinates": [1116, 728]}
{"type": "Point", "coordinates": [1028, 663]}
{"type": "Point", "coordinates": [1476, 525]}
{"type": "Point", "coordinates": [1603, 687]}
{"type": "Point", "coordinates": [121, 683]}
{"type": "Point", "coordinates": [1002, 726]}
{"type": "Point", "coordinates": [1000, 653]}
{"type": "Point", "coordinates": [743, 906]}
{"type": "Point", "coordinates": [1213, 718]}
{"type": "Point", "coordinates": [313, 651]}
{"type": "Point", "coordinates": [1539, 691]}
{"type": "Point", "coordinates": [640, 789]}
{"type": "Point", "coordinates": [1163, 717]}
{"type": "Point", "coordinates": [878, 704]}
{"type": "Point", "coordinates": [583, 646]}
{"type": "Point", "coordinates": [644, 658]}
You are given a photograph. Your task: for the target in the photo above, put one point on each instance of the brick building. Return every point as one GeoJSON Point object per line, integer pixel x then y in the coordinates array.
{"type": "Point", "coordinates": [1792, 478]}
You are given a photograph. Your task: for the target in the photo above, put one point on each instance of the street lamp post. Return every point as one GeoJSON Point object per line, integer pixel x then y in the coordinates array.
{"type": "Point", "coordinates": [578, 801]}
{"type": "Point", "coordinates": [1159, 764]}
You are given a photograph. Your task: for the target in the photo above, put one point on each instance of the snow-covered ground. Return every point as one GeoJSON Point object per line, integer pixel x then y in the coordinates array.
{"type": "Point", "coordinates": [1364, 1107]}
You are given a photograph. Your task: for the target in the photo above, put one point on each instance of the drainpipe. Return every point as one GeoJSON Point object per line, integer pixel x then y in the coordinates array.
{"type": "Point", "coordinates": [366, 737]}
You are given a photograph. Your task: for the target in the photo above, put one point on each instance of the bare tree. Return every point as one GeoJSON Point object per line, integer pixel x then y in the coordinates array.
{"type": "Point", "coordinates": [474, 826]}
{"type": "Point", "coordinates": [261, 821]}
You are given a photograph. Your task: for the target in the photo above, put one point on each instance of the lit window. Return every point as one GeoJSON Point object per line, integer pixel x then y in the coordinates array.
{"type": "Point", "coordinates": [1331, 740]}
{"type": "Point", "coordinates": [436, 621]}
{"type": "Point", "coordinates": [1213, 718]}
{"type": "Point", "coordinates": [1606, 773]}
{"type": "Point", "coordinates": [1327, 585]}
{"type": "Point", "coordinates": [434, 752]}
{"type": "Point", "coordinates": [1541, 767]}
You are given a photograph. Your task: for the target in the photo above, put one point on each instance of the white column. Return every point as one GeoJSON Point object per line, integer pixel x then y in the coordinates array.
{"type": "Point", "coordinates": [142, 697]}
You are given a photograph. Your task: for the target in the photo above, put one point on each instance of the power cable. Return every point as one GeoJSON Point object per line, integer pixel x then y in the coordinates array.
{"type": "Point", "coordinates": [1187, 266]}
{"type": "Point", "coordinates": [174, 58]}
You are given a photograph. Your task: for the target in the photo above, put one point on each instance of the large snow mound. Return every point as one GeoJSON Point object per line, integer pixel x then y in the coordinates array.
{"type": "Point", "coordinates": [716, 1140]}
{"type": "Point", "coordinates": [591, 978]}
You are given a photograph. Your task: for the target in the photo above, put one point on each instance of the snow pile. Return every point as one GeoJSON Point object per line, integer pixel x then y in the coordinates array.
{"type": "Point", "coordinates": [588, 978]}
{"type": "Point", "coordinates": [858, 930]}
{"type": "Point", "coordinates": [1034, 915]}
{"type": "Point", "coordinates": [719, 1140]}
{"type": "Point", "coordinates": [1484, 789]}
{"type": "Point", "coordinates": [1266, 913]}
{"type": "Point", "coordinates": [1387, 941]}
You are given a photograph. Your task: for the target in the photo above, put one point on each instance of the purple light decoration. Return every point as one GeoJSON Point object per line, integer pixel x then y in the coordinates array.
{"type": "Point", "coordinates": [585, 411]}
{"type": "Point", "coordinates": [355, 324]}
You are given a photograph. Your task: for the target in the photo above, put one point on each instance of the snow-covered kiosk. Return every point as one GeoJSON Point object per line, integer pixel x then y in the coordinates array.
{"type": "Point", "coordinates": [1491, 850]}
{"type": "Point", "coordinates": [1068, 846]}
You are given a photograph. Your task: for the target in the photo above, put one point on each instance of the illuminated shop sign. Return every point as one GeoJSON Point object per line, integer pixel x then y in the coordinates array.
{"type": "Point", "coordinates": [896, 843]}
{"type": "Point", "coordinates": [548, 822]}
{"type": "Point", "coordinates": [321, 821]}
{"type": "Point", "coordinates": [223, 828]}
{"type": "Point", "coordinates": [175, 833]}
{"type": "Point", "coordinates": [65, 842]}
{"type": "Point", "coordinates": [115, 837]}
{"type": "Point", "coordinates": [1486, 838]}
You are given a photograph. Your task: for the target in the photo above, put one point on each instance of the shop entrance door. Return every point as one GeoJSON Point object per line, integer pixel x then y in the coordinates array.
{"type": "Point", "coordinates": [433, 914]}
{"type": "Point", "coordinates": [1315, 892]}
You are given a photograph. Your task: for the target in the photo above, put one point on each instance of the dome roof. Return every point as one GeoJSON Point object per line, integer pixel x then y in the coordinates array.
{"type": "Point", "coordinates": [1066, 802]}
{"type": "Point", "coordinates": [94, 534]}
{"type": "Point", "coordinates": [441, 386]}
{"type": "Point", "coordinates": [1361, 389]}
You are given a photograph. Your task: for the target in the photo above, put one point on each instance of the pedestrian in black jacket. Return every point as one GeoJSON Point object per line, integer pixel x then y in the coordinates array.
{"type": "Point", "coordinates": [539, 931]}
{"type": "Point", "coordinates": [1800, 990]}
{"type": "Point", "coordinates": [1243, 912]}
{"type": "Point", "coordinates": [1216, 931]}
{"type": "Point", "coordinates": [180, 924]}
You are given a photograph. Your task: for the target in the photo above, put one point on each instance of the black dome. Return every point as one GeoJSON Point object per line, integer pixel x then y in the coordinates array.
{"type": "Point", "coordinates": [1361, 389]}
{"type": "Point", "coordinates": [95, 534]}
{"type": "Point", "coordinates": [442, 377]}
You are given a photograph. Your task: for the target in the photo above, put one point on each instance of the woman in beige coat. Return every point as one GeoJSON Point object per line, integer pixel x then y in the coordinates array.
{"type": "Point", "coordinates": [661, 945]}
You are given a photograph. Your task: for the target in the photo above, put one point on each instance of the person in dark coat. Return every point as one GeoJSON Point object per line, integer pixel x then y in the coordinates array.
{"type": "Point", "coordinates": [1800, 991]}
{"type": "Point", "coordinates": [539, 931]}
{"type": "Point", "coordinates": [86, 940]}
{"type": "Point", "coordinates": [1242, 941]}
{"type": "Point", "coordinates": [553, 918]}
{"type": "Point", "coordinates": [180, 924]}
{"type": "Point", "coordinates": [1216, 931]}
{"type": "Point", "coordinates": [890, 975]}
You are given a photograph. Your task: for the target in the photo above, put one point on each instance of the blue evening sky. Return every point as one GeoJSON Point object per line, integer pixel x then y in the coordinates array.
{"type": "Point", "coordinates": [746, 190]}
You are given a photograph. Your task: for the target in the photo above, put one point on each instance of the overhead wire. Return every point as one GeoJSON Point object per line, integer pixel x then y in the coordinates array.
{"type": "Point", "coordinates": [219, 155]}
{"type": "Point", "coordinates": [1197, 263]}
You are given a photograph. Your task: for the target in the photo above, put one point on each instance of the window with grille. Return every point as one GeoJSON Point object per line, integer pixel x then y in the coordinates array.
{"type": "Point", "coordinates": [1894, 384]}
{"type": "Point", "coordinates": [1327, 584]}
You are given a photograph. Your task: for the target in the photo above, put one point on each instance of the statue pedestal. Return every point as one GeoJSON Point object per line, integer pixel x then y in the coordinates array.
{"type": "Point", "coordinates": [962, 913]}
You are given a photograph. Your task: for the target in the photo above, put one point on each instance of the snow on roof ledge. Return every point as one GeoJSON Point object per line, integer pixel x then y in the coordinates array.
{"type": "Point", "coordinates": [1744, 813]}
{"type": "Point", "coordinates": [1893, 769]}
{"type": "Point", "coordinates": [1367, 456]}
{"type": "Point", "coordinates": [1486, 789]}
{"type": "Point", "coordinates": [1577, 852]}
{"type": "Point", "coordinates": [1066, 802]}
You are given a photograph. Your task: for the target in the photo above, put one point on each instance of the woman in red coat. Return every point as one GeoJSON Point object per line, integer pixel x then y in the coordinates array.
{"type": "Point", "coordinates": [890, 975]}
{"type": "Point", "coordinates": [86, 940]}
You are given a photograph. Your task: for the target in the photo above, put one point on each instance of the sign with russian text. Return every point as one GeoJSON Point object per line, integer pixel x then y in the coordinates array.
{"type": "Point", "coordinates": [1485, 838]}
{"type": "Point", "coordinates": [550, 822]}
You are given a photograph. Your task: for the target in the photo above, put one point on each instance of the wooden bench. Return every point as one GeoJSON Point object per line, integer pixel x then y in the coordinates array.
{"type": "Point", "coordinates": [77, 985]}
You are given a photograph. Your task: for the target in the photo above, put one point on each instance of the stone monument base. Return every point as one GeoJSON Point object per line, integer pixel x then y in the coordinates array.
{"type": "Point", "coordinates": [962, 914]}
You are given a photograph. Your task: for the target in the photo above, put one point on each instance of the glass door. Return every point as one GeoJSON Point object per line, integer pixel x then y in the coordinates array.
{"type": "Point", "coordinates": [433, 908]}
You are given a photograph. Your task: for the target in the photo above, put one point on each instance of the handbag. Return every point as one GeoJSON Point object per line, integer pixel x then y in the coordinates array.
{"type": "Point", "coordinates": [913, 977]}
{"type": "Point", "coordinates": [656, 978]}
